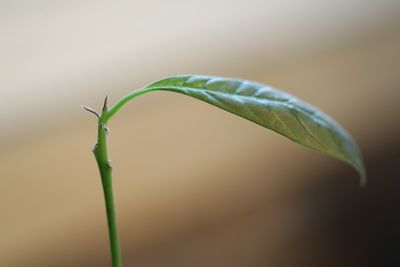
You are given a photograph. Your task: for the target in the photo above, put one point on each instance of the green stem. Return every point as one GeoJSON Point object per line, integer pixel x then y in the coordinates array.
{"type": "Point", "coordinates": [100, 152]}
{"type": "Point", "coordinates": [105, 168]}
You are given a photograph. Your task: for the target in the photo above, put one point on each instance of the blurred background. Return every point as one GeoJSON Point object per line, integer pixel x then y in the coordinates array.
{"type": "Point", "coordinates": [196, 186]}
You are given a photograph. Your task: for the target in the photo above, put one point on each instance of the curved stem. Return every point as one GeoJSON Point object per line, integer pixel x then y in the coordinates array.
{"type": "Point", "coordinates": [105, 168]}
{"type": "Point", "coordinates": [110, 112]}
{"type": "Point", "coordinates": [104, 164]}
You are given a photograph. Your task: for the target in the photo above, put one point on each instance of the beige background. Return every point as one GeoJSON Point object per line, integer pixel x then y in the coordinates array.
{"type": "Point", "coordinates": [194, 186]}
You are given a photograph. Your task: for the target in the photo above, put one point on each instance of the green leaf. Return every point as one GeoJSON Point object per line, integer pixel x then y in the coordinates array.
{"type": "Point", "coordinates": [270, 108]}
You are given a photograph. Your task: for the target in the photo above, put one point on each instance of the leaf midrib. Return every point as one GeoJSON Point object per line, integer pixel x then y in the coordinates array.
{"type": "Point", "coordinates": [288, 103]}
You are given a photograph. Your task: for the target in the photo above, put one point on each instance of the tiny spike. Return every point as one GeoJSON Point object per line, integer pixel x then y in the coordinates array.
{"type": "Point", "coordinates": [105, 107]}
{"type": "Point", "coordinates": [106, 129]}
{"type": "Point", "coordinates": [91, 111]}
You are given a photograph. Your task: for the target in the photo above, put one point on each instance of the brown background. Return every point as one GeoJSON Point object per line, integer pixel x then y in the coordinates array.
{"type": "Point", "coordinates": [196, 186]}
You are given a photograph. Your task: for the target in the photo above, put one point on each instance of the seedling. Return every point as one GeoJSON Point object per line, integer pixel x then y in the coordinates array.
{"type": "Point", "coordinates": [266, 106]}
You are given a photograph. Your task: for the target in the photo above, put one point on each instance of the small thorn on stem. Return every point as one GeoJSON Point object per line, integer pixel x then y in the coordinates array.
{"type": "Point", "coordinates": [91, 111]}
{"type": "Point", "coordinates": [106, 129]}
{"type": "Point", "coordinates": [105, 107]}
{"type": "Point", "coordinates": [94, 147]}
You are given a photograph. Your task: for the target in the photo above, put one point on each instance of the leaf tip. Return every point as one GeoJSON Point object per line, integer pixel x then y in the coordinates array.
{"type": "Point", "coordinates": [363, 177]}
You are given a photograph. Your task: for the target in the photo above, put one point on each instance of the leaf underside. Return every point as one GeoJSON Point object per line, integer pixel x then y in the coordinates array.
{"type": "Point", "coordinates": [270, 108]}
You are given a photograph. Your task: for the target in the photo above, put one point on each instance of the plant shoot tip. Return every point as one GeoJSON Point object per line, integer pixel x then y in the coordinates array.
{"type": "Point", "coordinates": [90, 110]}
{"type": "Point", "coordinates": [105, 103]}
